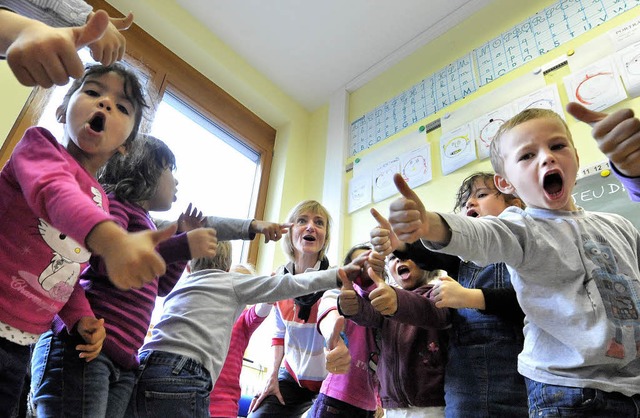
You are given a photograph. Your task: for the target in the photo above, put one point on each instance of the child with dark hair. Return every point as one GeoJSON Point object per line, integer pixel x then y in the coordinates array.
{"type": "Point", "coordinates": [412, 338]}
{"type": "Point", "coordinates": [348, 391]}
{"type": "Point", "coordinates": [54, 211]}
{"type": "Point", "coordinates": [481, 377]}
{"type": "Point", "coordinates": [63, 385]}
{"type": "Point", "coordinates": [182, 360]}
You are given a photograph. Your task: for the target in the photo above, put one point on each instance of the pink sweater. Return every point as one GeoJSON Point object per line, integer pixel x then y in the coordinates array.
{"type": "Point", "coordinates": [226, 390]}
{"type": "Point", "coordinates": [359, 387]}
{"type": "Point", "coordinates": [48, 206]}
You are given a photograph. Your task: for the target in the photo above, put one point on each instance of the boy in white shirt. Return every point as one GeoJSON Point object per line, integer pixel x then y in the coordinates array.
{"type": "Point", "coordinates": [575, 273]}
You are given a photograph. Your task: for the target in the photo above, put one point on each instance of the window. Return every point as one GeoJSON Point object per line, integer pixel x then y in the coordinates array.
{"type": "Point", "coordinates": [215, 172]}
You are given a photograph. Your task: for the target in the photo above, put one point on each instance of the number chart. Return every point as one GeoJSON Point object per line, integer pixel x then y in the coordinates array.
{"type": "Point", "coordinates": [537, 35]}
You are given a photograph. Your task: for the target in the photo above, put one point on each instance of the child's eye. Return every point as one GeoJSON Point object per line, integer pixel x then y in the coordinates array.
{"type": "Point", "coordinates": [526, 156]}
{"type": "Point", "coordinates": [123, 109]}
{"type": "Point", "coordinates": [91, 93]}
{"type": "Point", "coordinates": [481, 195]}
{"type": "Point", "coordinates": [558, 146]}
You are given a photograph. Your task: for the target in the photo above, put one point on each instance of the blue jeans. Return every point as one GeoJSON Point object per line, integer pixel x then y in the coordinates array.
{"type": "Point", "coordinates": [64, 385]}
{"type": "Point", "coordinates": [297, 399]}
{"type": "Point", "coordinates": [481, 378]}
{"type": "Point", "coordinates": [550, 401]}
{"type": "Point", "coordinates": [170, 385]}
{"type": "Point", "coordinates": [14, 360]}
{"type": "Point", "coordinates": [327, 407]}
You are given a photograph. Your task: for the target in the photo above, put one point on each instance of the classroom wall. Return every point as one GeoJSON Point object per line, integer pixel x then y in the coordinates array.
{"type": "Point", "coordinates": [499, 16]}
{"type": "Point", "coordinates": [14, 95]}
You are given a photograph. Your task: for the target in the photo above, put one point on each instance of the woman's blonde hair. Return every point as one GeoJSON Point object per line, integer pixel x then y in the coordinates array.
{"type": "Point", "coordinates": [302, 207]}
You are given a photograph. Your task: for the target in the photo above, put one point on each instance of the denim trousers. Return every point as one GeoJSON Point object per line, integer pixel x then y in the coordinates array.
{"type": "Point", "coordinates": [297, 399]}
{"type": "Point", "coordinates": [14, 360]}
{"type": "Point", "coordinates": [327, 407]}
{"type": "Point", "coordinates": [170, 385]}
{"type": "Point", "coordinates": [64, 385]}
{"type": "Point", "coordinates": [551, 401]}
{"type": "Point", "coordinates": [481, 378]}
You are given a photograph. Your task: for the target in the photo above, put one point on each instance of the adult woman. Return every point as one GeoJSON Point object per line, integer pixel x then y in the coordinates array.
{"type": "Point", "coordinates": [294, 383]}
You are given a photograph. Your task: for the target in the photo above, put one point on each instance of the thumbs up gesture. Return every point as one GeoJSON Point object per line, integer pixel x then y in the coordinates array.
{"type": "Point", "coordinates": [383, 298]}
{"type": "Point", "coordinates": [409, 219]}
{"type": "Point", "coordinates": [383, 239]}
{"type": "Point", "coordinates": [617, 135]}
{"type": "Point", "coordinates": [337, 357]}
{"type": "Point", "coordinates": [348, 299]}
{"type": "Point", "coordinates": [41, 55]}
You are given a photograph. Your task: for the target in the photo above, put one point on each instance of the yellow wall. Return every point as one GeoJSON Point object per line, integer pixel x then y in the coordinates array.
{"type": "Point", "coordinates": [498, 17]}
{"type": "Point", "coordinates": [14, 95]}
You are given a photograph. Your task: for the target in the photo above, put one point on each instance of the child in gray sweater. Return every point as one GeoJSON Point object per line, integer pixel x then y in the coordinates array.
{"type": "Point", "coordinates": [182, 360]}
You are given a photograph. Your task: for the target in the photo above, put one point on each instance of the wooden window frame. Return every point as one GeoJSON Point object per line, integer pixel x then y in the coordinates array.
{"type": "Point", "coordinates": [204, 96]}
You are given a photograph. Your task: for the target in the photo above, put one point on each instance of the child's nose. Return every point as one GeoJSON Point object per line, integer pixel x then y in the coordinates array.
{"type": "Point", "coordinates": [548, 157]}
{"type": "Point", "coordinates": [105, 105]}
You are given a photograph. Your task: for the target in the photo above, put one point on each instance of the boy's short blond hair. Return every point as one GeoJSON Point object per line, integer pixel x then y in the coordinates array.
{"type": "Point", "coordinates": [220, 261]}
{"type": "Point", "coordinates": [526, 115]}
{"type": "Point", "coordinates": [302, 207]}
{"type": "Point", "coordinates": [243, 268]}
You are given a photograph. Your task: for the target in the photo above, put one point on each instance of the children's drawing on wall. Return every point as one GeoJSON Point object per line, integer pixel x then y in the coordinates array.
{"type": "Point", "coordinates": [359, 192]}
{"type": "Point", "coordinates": [547, 97]}
{"type": "Point", "coordinates": [628, 62]}
{"type": "Point", "coordinates": [597, 86]}
{"type": "Point", "coordinates": [416, 166]}
{"type": "Point", "coordinates": [487, 126]}
{"type": "Point", "coordinates": [457, 148]}
{"type": "Point", "coordinates": [383, 186]}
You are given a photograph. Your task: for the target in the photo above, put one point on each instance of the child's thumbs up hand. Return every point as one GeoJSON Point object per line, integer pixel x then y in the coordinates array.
{"type": "Point", "coordinates": [407, 215]}
{"type": "Point", "coordinates": [348, 299]}
{"type": "Point", "coordinates": [383, 239]}
{"type": "Point", "coordinates": [377, 262]}
{"type": "Point", "coordinates": [338, 359]}
{"type": "Point", "coordinates": [131, 258]}
{"type": "Point", "coordinates": [617, 135]}
{"type": "Point", "coordinates": [383, 298]}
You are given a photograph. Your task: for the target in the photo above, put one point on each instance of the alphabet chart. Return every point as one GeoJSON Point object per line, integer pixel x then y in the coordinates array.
{"type": "Point", "coordinates": [537, 35]}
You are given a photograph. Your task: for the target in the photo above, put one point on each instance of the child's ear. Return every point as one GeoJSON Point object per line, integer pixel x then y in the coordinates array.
{"type": "Point", "coordinates": [503, 184]}
{"type": "Point", "coordinates": [122, 150]}
{"type": "Point", "coordinates": [61, 114]}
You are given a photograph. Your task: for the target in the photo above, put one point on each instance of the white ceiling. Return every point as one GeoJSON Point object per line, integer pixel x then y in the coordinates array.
{"type": "Point", "coordinates": [311, 49]}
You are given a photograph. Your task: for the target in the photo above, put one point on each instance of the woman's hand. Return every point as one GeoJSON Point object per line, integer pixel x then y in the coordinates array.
{"type": "Point", "coordinates": [272, 231]}
{"type": "Point", "coordinates": [272, 387]}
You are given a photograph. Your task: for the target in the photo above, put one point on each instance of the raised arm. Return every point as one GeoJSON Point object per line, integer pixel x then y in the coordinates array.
{"type": "Point", "coordinates": [39, 54]}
